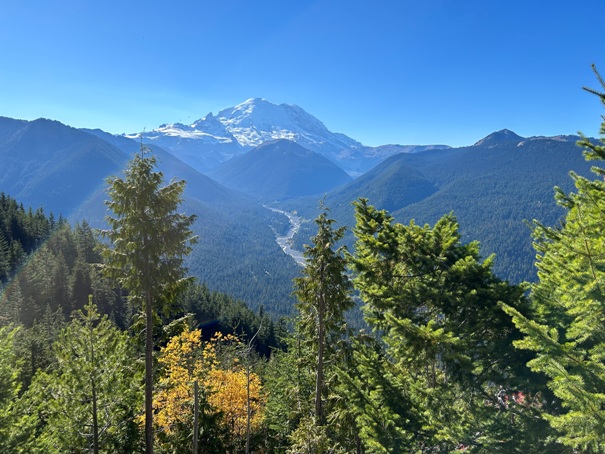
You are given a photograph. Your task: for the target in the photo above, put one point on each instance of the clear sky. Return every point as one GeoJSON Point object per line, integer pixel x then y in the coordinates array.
{"type": "Point", "coordinates": [380, 71]}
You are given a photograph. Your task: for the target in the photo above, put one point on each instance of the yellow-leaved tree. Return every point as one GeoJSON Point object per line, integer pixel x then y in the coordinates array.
{"type": "Point", "coordinates": [223, 390]}
{"type": "Point", "coordinates": [229, 396]}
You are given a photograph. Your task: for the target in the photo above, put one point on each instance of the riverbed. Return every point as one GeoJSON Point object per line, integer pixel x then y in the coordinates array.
{"type": "Point", "coordinates": [286, 241]}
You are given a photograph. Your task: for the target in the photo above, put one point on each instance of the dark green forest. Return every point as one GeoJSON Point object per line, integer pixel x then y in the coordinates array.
{"type": "Point", "coordinates": [452, 357]}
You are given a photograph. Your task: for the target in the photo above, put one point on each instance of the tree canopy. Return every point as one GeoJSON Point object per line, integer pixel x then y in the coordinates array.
{"type": "Point", "coordinates": [149, 240]}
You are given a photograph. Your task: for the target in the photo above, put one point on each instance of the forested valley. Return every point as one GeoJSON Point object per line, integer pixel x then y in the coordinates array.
{"type": "Point", "coordinates": [97, 357]}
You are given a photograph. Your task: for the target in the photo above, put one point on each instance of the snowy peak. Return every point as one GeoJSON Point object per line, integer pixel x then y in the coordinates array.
{"type": "Point", "coordinates": [265, 115]}
{"type": "Point", "coordinates": [257, 120]}
{"type": "Point", "coordinates": [233, 131]}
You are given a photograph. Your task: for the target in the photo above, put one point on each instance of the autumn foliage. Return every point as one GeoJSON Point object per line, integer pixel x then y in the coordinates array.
{"type": "Point", "coordinates": [222, 381]}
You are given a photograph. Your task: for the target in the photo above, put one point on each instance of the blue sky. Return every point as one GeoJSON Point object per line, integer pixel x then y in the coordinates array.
{"type": "Point", "coordinates": [381, 71]}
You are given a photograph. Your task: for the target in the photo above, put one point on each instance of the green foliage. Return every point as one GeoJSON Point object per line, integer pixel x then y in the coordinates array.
{"type": "Point", "coordinates": [447, 360]}
{"type": "Point", "coordinates": [565, 330]}
{"type": "Point", "coordinates": [150, 241]}
{"type": "Point", "coordinates": [21, 232]}
{"type": "Point", "coordinates": [301, 410]}
{"type": "Point", "coordinates": [384, 416]}
{"type": "Point", "coordinates": [34, 345]}
{"type": "Point", "coordinates": [323, 293]}
{"type": "Point", "coordinates": [149, 238]}
{"type": "Point", "coordinates": [91, 395]}
{"type": "Point", "coordinates": [9, 388]}
{"type": "Point", "coordinates": [310, 437]}
{"type": "Point", "coordinates": [58, 276]}
{"type": "Point", "coordinates": [290, 382]}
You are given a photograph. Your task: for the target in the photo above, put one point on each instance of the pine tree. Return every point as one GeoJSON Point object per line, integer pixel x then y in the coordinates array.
{"type": "Point", "coordinates": [324, 296]}
{"type": "Point", "coordinates": [89, 398]}
{"type": "Point", "coordinates": [150, 240]}
{"type": "Point", "coordinates": [442, 378]}
{"type": "Point", "coordinates": [566, 332]}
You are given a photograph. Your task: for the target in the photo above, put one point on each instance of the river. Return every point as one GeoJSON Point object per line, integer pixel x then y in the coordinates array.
{"type": "Point", "coordinates": [285, 242]}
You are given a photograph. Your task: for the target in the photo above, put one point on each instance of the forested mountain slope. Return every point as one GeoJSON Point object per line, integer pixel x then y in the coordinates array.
{"type": "Point", "coordinates": [281, 169]}
{"type": "Point", "coordinates": [50, 165]}
{"type": "Point", "coordinates": [63, 170]}
{"type": "Point", "coordinates": [492, 187]}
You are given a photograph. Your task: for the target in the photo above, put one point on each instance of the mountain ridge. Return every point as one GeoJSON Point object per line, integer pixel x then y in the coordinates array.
{"type": "Point", "coordinates": [233, 131]}
{"type": "Point", "coordinates": [281, 169]}
{"type": "Point", "coordinates": [492, 187]}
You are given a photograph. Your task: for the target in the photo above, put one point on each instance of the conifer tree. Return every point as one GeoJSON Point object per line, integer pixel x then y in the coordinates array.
{"type": "Point", "coordinates": [9, 387]}
{"type": "Point", "coordinates": [442, 378]}
{"type": "Point", "coordinates": [149, 242]}
{"type": "Point", "coordinates": [566, 330]}
{"type": "Point", "coordinates": [5, 268]}
{"type": "Point", "coordinates": [323, 293]}
{"type": "Point", "coordinates": [290, 383]}
{"type": "Point", "coordinates": [89, 397]}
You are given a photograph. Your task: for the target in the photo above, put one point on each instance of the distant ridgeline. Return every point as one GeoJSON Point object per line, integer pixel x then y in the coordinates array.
{"type": "Point", "coordinates": [494, 188]}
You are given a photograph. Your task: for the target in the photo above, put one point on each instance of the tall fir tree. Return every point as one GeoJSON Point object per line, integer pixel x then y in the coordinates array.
{"type": "Point", "coordinates": [323, 294]}
{"type": "Point", "coordinates": [566, 332]}
{"type": "Point", "coordinates": [89, 398]}
{"type": "Point", "coordinates": [442, 375]}
{"type": "Point", "coordinates": [149, 240]}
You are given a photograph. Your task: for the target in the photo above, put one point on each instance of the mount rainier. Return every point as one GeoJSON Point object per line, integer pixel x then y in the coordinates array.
{"type": "Point", "coordinates": [214, 139]}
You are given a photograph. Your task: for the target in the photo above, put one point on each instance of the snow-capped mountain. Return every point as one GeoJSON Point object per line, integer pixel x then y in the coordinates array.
{"type": "Point", "coordinates": [214, 139]}
{"type": "Point", "coordinates": [257, 120]}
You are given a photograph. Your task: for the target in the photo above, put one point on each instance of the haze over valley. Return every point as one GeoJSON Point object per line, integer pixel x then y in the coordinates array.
{"type": "Point", "coordinates": [258, 154]}
{"type": "Point", "coordinates": [311, 226]}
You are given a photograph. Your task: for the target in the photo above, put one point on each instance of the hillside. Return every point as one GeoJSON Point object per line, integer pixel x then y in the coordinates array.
{"type": "Point", "coordinates": [492, 187]}
{"type": "Point", "coordinates": [63, 170]}
{"type": "Point", "coordinates": [281, 169]}
{"type": "Point", "coordinates": [53, 166]}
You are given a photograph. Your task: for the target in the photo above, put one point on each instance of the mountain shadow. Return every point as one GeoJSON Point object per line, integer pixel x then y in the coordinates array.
{"type": "Point", "coordinates": [281, 169]}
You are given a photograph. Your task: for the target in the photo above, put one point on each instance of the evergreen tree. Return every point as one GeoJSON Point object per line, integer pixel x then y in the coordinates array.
{"type": "Point", "coordinates": [89, 399]}
{"type": "Point", "coordinates": [301, 379]}
{"type": "Point", "coordinates": [34, 345]}
{"type": "Point", "coordinates": [323, 294]}
{"type": "Point", "coordinates": [9, 388]}
{"type": "Point", "coordinates": [149, 241]}
{"type": "Point", "coordinates": [5, 268]}
{"type": "Point", "coordinates": [86, 243]}
{"type": "Point", "coordinates": [446, 375]}
{"type": "Point", "coordinates": [11, 303]}
{"type": "Point", "coordinates": [16, 254]}
{"type": "Point", "coordinates": [566, 330]}
{"type": "Point", "coordinates": [290, 383]}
